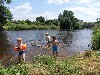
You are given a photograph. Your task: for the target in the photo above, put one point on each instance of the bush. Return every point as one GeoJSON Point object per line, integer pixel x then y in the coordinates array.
{"type": "Point", "coordinates": [96, 39]}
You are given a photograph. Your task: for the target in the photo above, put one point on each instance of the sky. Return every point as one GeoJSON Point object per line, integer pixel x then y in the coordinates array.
{"type": "Point", "coordinates": [86, 10]}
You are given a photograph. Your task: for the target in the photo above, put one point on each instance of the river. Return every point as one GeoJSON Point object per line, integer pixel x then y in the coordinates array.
{"type": "Point", "coordinates": [72, 42]}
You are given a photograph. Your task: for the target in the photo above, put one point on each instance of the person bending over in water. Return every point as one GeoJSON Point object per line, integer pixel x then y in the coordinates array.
{"type": "Point", "coordinates": [55, 44]}
{"type": "Point", "coordinates": [20, 50]}
{"type": "Point", "coordinates": [48, 40]}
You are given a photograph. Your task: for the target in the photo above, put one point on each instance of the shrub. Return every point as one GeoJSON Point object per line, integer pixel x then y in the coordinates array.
{"type": "Point", "coordinates": [96, 39]}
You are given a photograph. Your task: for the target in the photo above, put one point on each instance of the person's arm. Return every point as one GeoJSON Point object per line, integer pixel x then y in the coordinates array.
{"type": "Point", "coordinates": [59, 44]}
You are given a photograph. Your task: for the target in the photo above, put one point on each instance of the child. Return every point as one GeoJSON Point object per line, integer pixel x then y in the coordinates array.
{"type": "Point", "coordinates": [55, 44]}
{"type": "Point", "coordinates": [48, 40]}
{"type": "Point", "coordinates": [20, 50]}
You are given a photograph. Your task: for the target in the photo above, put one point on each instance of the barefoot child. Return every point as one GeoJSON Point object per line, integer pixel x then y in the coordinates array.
{"type": "Point", "coordinates": [48, 40]}
{"type": "Point", "coordinates": [55, 44]}
{"type": "Point", "coordinates": [20, 50]}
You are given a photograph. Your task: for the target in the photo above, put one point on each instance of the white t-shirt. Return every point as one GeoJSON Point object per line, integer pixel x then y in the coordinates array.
{"type": "Point", "coordinates": [47, 38]}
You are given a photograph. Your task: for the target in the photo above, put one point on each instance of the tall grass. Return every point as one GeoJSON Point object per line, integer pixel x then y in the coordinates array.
{"type": "Point", "coordinates": [81, 64]}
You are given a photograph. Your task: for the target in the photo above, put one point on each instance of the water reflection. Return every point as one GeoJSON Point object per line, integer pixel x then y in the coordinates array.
{"type": "Point", "coordinates": [5, 47]}
{"type": "Point", "coordinates": [4, 42]}
{"type": "Point", "coordinates": [65, 37]}
{"type": "Point", "coordinates": [75, 41]}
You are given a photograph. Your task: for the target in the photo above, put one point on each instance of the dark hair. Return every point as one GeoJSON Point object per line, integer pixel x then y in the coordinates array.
{"type": "Point", "coordinates": [54, 37]}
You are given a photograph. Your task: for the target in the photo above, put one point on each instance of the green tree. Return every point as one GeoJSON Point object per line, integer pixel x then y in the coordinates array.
{"type": "Point", "coordinates": [5, 13]}
{"type": "Point", "coordinates": [67, 20]}
{"type": "Point", "coordinates": [28, 22]}
{"type": "Point", "coordinates": [40, 19]}
{"type": "Point", "coordinates": [48, 22]}
{"type": "Point", "coordinates": [55, 22]}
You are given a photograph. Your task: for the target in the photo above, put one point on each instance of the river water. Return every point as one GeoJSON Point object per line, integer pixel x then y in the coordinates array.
{"type": "Point", "coordinates": [72, 42]}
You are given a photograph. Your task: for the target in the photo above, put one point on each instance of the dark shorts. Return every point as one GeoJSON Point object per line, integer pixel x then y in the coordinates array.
{"type": "Point", "coordinates": [21, 52]}
{"type": "Point", "coordinates": [54, 48]}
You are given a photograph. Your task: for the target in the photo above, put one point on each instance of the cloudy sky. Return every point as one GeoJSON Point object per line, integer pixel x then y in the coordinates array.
{"type": "Point", "coordinates": [86, 10]}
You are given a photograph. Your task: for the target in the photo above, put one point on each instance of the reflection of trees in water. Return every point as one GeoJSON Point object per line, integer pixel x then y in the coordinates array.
{"type": "Point", "coordinates": [4, 43]}
{"type": "Point", "coordinates": [65, 37]}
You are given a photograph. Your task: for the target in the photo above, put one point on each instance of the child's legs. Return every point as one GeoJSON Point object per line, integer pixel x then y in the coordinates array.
{"type": "Point", "coordinates": [53, 50]}
{"type": "Point", "coordinates": [56, 53]}
{"type": "Point", "coordinates": [22, 53]}
{"type": "Point", "coordinates": [48, 45]}
{"type": "Point", "coordinates": [23, 57]}
{"type": "Point", "coordinates": [19, 58]}
{"type": "Point", "coordinates": [56, 50]}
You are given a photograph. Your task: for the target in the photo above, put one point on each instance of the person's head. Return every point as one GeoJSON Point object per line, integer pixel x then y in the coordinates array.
{"type": "Point", "coordinates": [47, 34]}
{"type": "Point", "coordinates": [19, 40]}
{"type": "Point", "coordinates": [54, 37]}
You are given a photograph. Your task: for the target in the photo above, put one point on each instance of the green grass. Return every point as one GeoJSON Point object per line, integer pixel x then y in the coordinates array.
{"type": "Point", "coordinates": [86, 63]}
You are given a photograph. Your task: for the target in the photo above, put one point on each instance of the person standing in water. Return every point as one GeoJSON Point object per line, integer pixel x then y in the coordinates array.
{"type": "Point", "coordinates": [55, 44]}
{"type": "Point", "coordinates": [48, 40]}
{"type": "Point", "coordinates": [20, 50]}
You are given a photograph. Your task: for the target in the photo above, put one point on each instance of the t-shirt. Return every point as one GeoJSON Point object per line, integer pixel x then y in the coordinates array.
{"type": "Point", "coordinates": [47, 38]}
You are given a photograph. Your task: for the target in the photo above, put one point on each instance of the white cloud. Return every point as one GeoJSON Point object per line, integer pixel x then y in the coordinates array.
{"type": "Point", "coordinates": [85, 1]}
{"type": "Point", "coordinates": [50, 15]}
{"type": "Point", "coordinates": [65, 1]}
{"type": "Point", "coordinates": [58, 1]}
{"type": "Point", "coordinates": [24, 8]}
{"type": "Point", "coordinates": [24, 11]}
{"type": "Point", "coordinates": [89, 13]}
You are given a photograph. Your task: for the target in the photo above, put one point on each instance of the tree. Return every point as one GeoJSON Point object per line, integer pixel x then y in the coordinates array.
{"type": "Point", "coordinates": [5, 13]}
{"type": "Point", "coordinates": [40, 19]}
{"type": "Point", "coordinates": [97, 19]}
{"type": "Point", "coordinates": [48, 22]}
{"type": "Point", "coordinates": [2, 2]}
{"type": "Point", "coordinates": [55, 22]}
{"type": "Point", "coordinates": [67, 20]}
{"type": "Point", "coordinates": [28, 22]}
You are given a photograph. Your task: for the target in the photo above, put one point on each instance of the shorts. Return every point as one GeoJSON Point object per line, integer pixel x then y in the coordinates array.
{"type": "Point", "coordinates": [21, 52]}
{"type": "Point", "coordinates": [54, 48]}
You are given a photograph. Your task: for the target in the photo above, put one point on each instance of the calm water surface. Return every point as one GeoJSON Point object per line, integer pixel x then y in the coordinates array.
{"type": "Point", "coordinates": [72, 42]}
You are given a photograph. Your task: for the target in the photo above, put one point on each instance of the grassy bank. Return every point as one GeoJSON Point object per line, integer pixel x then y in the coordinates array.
{"type": "Point", "coordinates": [87, 63]}
{"type": "Point", "coordinates": [29, 27]}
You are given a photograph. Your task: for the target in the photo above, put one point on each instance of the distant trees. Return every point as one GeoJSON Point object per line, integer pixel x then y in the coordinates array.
{"type": "Point", "coordinates": [87, 25]}
{"type": "Point", "coordinates": [98, 19]}
{"type": "Point", "coordinates": [40, 19]}
{"type": "Point", "coordinates": [67, 20]}
{"type": "Point", "coordinates": [28, 22]}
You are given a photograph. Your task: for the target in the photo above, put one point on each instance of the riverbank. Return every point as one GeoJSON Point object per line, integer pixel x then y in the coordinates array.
{"type": "Point", "coordinates": [30, 27]}
{"type": "Point", "coordinates": [86, 63]}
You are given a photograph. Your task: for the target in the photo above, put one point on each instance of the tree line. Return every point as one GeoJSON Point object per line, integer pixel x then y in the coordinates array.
{"type": "Point", "coordinates": [66, 20]}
